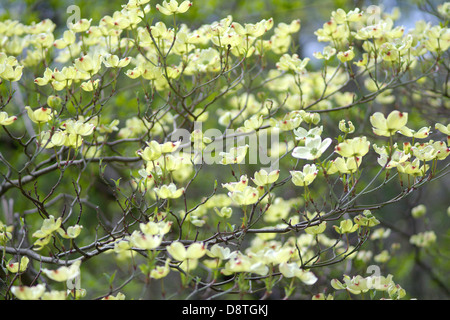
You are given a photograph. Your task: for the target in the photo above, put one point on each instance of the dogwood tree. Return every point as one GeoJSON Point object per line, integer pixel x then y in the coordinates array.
{"type": "Point", "coordinates": [142, 157]}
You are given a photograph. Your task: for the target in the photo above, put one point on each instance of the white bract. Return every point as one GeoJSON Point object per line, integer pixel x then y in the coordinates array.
{"type": "Point", "coordinates": [313, 149]}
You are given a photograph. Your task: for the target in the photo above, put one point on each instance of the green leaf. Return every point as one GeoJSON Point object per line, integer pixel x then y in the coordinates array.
{"type": "Point", "coordinates": [110, 278]}
{"type": "Point", "coordinates": [144, 269]}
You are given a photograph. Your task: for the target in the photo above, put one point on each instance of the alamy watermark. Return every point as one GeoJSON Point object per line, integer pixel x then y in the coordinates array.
{"type": "Point", "coordinates": [75, 15]}
{"type": "Point", "coordinates": [213, 146]}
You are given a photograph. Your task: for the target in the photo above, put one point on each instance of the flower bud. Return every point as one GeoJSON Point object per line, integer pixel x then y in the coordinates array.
{"type": "Point", "coordinates": [54, 101]}
{"type": "Point", "coordinates": [263, 177]}
{"type": "Point", "coordinates": [224, 212]}
{"type": "Point", "coordinates": [305, 177]}
{"type": "Point", "coordinates": [18, 266]}
{"type": "Point", "coordinates": [419, 211]}
{"type": "Point", "coordinates": [346, 129]}
{"type": "Point", "coordinates": [6, 120]}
